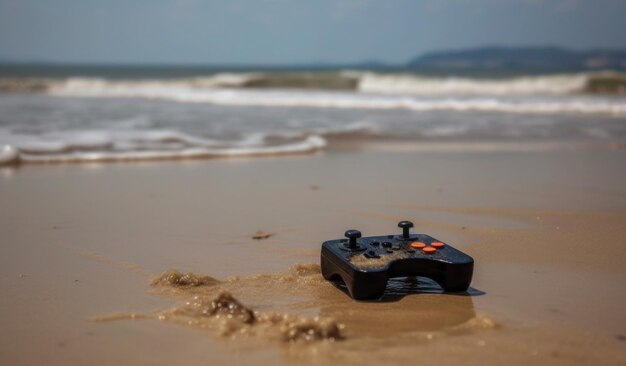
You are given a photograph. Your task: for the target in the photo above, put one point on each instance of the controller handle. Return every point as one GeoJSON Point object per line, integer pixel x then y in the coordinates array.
{"type": "Point", "coordinates": [406, 227]}
{"type": "Point", "coordinates": [352, 235]}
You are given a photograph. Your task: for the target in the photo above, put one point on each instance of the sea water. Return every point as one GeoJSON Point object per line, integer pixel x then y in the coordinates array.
{"type": "Point", "coordinates": [65, 114]}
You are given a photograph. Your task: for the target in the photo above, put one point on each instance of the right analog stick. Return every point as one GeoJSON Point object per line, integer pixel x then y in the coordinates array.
{"type": "Point", "coordinates": [406, 227]}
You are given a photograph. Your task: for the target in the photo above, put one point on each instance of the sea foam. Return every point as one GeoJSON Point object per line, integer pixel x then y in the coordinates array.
{"type": "Point", "coordinates": [546, 94]}
{"type": "Point", "coordinates": [337, 100]}
{"type": "Point", "coordinates": [114, 146]}
{"type": "Point", "coordinates": [420, 85]}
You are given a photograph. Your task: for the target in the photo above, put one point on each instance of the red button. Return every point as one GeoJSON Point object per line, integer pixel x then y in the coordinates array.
{"type": "Point", "coordinates": [437, 244]}
{"type": "Point", "coordinates": [417, 244]}
{"type": "Point", "coordinates": [429, 250]}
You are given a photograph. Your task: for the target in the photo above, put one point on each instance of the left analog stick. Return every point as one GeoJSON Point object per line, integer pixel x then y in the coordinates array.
{"type": "Point", "coordinates": [352, 236]}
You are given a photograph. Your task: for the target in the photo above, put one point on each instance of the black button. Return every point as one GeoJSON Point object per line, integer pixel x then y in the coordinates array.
{"type": "Point", "coordinates": [387, 244]}
{"type": "Point", "coordinates": [375, 243]}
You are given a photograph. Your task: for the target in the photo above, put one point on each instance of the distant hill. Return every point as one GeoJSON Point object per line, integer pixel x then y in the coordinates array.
{"type": "Point", "coordinates": [528, 58]}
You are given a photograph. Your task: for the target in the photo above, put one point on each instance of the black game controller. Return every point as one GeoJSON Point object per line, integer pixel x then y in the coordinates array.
{"type": "Point", "coordinates": [365, 264]}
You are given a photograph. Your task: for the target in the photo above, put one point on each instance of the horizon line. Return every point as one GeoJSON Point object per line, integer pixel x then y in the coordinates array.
{"type": "Point", "coordinates": [300, 64]}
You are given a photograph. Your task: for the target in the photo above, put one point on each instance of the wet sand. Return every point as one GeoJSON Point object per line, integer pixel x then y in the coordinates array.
{"type": "Point", "coordinates": [83, 243]}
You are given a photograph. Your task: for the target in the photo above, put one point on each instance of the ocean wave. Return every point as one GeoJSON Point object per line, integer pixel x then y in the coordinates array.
{"type": "Point", "coordinates": [116, 146]}
{"type": "Point", "coordinates": [364, 82]}
{"type": "Point", "coordinates": [267, 98]}
{"type": "Point", "coordinates": [420, 85]}
{"type": "Point", "coordinates": [248, 80]}
{"type": "Point", "coordinates": [558, 94]}
{"type": "Point", "coordinates": [95, 84]}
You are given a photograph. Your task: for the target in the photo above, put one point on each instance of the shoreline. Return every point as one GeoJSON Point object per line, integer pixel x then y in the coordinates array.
{"type": "Point", "coordinates": [313, 144]}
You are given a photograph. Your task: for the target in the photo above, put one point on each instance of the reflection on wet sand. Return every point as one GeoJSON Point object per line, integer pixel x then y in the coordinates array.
{"type": "Point", "coordinates": [409, 304]}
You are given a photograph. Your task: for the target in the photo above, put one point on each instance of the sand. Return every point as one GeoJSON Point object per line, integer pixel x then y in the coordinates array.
{"type": "Point", "coordinates": [83, 243]}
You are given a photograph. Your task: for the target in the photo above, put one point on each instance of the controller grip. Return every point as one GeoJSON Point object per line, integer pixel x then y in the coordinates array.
{"type": "Point", "coordinates": [452, 277]}
{"type": "Point", "coordinates": [360, 285]}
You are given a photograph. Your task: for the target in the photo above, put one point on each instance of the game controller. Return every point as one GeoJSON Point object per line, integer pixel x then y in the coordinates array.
{"type": "Point", "coordinates": [366, 263]}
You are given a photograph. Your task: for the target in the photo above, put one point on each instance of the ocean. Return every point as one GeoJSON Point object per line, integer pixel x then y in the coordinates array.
{"type": "Point", "coordinates": [103, 114]}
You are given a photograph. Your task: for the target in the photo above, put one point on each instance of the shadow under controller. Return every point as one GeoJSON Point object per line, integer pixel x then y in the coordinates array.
{"type": "Point", "coordinates": [365, 264]}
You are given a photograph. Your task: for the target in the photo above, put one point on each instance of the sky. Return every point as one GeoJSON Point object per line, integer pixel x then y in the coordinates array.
{"type": "Point", "coordinates": [274, 32]}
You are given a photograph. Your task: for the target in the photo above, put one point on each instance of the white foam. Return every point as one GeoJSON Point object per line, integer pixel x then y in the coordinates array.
{"type": "Point", "coordinates": [74, 147]}
{"type": "Point", "coordinates": [8, 155]}
{"type": "Point", "coordinates": [98, 85]}
{"type": "Point", "coordinates": [417, 85]}
{"type": "Point", "coordinates": [181, 92]}
{"type": "Point", "coordinates": [348, 101]}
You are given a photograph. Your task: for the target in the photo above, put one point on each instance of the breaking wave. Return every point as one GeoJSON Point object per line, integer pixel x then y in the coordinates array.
{"type": "Point", "coordinates": [117, 146]}
{"type": "Point", "coordinates": [337, 100]}
{"type": "Point", "coordinates": [417, 85]}
{"type": "Point", "coordinates": [365, 82]}
{"type": "Point", "coordinates": [554, 94]}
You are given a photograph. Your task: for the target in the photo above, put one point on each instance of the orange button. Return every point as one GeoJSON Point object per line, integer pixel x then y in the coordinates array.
{"type": "Point", "coordinates": [437, 244]}
{"type": "Point", "coordinates": [417, 244]}
{"type": "Point", "coordinates": [429, 250]}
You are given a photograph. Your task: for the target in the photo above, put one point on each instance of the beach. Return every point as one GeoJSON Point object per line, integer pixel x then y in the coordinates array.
{"type": "Point", "coordinates": [545, 224]}
{"type": "Point", "coordinates": [333, 183]}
